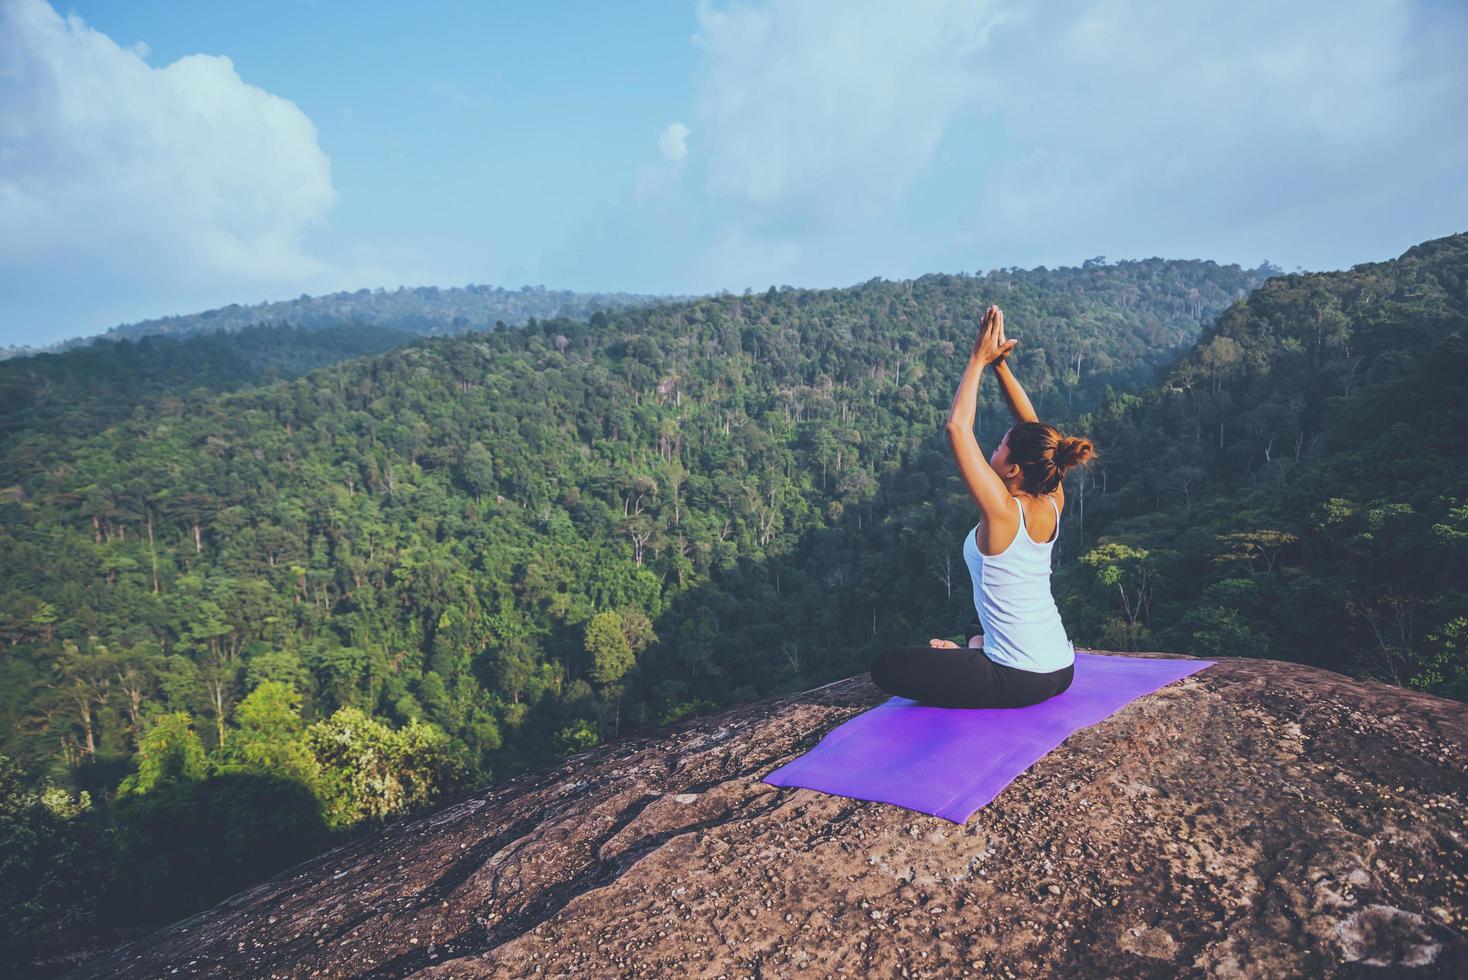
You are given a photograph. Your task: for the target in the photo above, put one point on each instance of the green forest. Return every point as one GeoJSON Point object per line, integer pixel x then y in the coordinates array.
{"type": "Point", "coordinates": [47, 399]}
{"type": "Point", "coordinates": [248, 612]}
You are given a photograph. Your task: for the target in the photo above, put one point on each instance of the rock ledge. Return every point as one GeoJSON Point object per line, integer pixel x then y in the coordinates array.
{"type": "Point", "coordinates": [1259, 818]}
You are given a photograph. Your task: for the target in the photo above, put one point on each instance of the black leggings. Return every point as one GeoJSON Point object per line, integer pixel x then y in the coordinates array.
{"type": "Point", "coordinates": [946, 677]}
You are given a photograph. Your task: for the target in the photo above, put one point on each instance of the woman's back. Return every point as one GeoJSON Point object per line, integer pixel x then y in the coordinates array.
{"type": "Point", "coordinates": [1022, 625]}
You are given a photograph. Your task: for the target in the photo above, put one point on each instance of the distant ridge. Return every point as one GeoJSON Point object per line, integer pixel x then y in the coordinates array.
{"type": "Point", "coordinates": [419, 310]}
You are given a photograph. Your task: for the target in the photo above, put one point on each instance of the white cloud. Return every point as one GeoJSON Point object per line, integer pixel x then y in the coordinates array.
{"type": "Point", "coordinates": [673, 142]}
{"type": "Point", "coordinates": [655, 179]}
{"type": "Point", "coordinates": [1234, 131]}
{"type": "Point", "coordinates": [1250, 128]}
{"type": "Point", "coordinates": [813, 119]}
{"type": "Point", "coordinates": [184, 177]}
{"type": "Point", "coordinates": [834, 106]}
{"type": "Point", "coordinates": [841, 140]}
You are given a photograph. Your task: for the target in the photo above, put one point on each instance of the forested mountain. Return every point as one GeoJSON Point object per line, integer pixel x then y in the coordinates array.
{"type": "Point", "coordinates": [48, 399]}
{"type": "Point", "coordinates": [87, 384]}
{"type": "Point", "coordinates": [1295, 486]}
{"type": "Point", "coordinates": [418, 310]}
{"type": "Point", "coordinates": [274, 615]}
{"type": "Point", "coordinates": [81, 386]}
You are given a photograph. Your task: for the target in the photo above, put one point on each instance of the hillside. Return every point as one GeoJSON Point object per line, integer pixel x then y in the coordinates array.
{"type": "Point", "coordinates": [80, 387]}
{"type": "Point", "coordinates": [51, 398]}
{"type": "Point", "coordinates": [1294, 485]}
{"type": "Point", "coordinates": [1259, 818]}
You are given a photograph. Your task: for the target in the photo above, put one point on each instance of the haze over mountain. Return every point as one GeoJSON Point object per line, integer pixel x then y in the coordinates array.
{"type": "Point", "coordinates": [420, 311]}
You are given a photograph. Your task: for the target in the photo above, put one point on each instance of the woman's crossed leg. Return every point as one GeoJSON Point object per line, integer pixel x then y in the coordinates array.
{"type": "Point", "coordinates": [956, 677]}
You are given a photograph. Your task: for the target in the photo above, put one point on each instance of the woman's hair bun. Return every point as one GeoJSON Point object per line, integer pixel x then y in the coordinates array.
{"type": "Point", "coordinates": [1072, 451]}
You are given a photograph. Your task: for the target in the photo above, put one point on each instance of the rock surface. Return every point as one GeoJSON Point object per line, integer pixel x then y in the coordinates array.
{"type": "Point", "coordinates": [1258, 818]}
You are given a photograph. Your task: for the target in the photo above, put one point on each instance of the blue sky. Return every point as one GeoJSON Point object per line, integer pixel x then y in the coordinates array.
{"type": "Point", "coordinates": [161, 158]}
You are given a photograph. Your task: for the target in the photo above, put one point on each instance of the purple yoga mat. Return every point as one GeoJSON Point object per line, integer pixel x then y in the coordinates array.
{"type": "Point", "coordinates": [951, 761]}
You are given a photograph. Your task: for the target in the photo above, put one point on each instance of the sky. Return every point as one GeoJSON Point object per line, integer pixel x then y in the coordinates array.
{"type": "Point", "coordinates": [168, 158]}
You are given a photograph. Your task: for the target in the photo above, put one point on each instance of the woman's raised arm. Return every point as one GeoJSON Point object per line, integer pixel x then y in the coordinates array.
{"type": "Point", "coordinates": [1014, 395]}
{"type": "Point", "coordinates": [984, 485]}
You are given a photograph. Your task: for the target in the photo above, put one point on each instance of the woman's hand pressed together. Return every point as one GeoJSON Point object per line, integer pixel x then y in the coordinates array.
{"type": "Point", "coordinates": [991, 344]}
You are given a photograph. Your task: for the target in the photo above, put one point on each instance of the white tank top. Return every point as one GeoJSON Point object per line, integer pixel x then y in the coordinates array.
{"type": "Point", "coordinates": [1022, 626]}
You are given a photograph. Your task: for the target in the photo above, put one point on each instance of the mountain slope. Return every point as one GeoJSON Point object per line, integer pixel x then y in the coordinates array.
{"type": "Point", "coordinates": [82, 386]}
{"type": "Point", "coordinates": [1294, 486]}
{"type": "Point", "coordinates": [49, 398]}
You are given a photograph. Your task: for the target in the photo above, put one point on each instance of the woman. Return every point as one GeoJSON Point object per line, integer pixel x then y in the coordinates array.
{"type": "Point", "coordinates": [1023, 655]}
